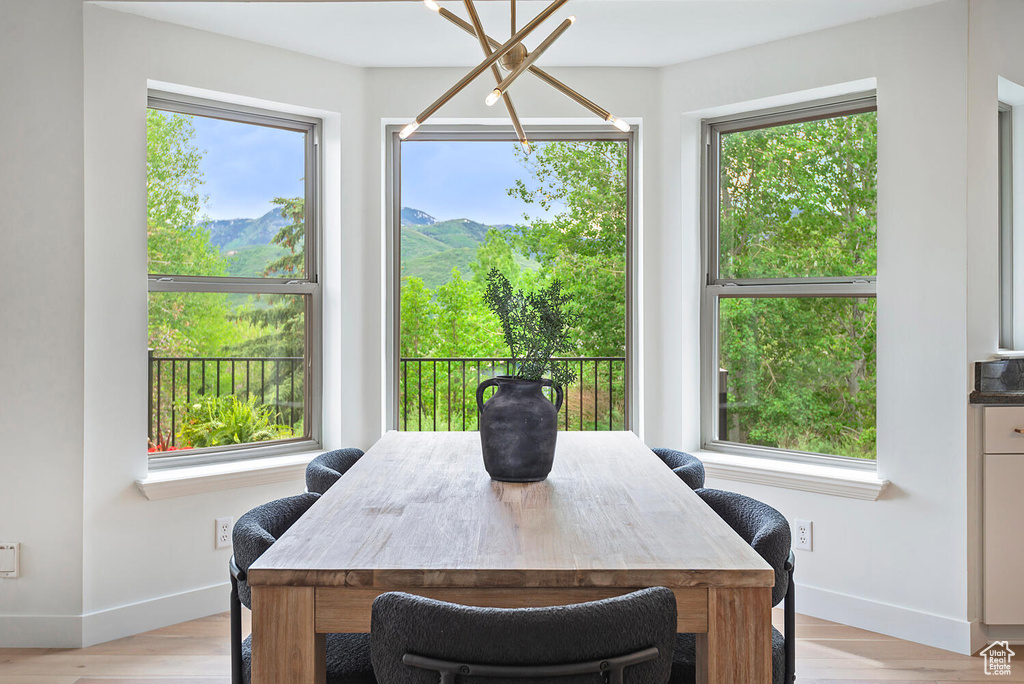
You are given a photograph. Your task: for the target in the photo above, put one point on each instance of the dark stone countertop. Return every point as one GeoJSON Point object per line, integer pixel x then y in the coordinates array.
{"type": "Point", "coordinates": [1001, 398]}
{"type": "Point", "coordinates": [999, 382]}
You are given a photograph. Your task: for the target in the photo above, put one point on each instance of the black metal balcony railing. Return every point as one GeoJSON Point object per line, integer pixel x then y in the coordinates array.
{"type": "Point", "coordinates": [440, 393]}
{"type": "Point", "coordinates": [175, 382]}
{"type": "Point", "coordinates": [434, 393]}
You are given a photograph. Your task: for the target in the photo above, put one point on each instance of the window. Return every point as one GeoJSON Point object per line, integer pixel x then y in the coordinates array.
{"type": "Point", "coordinates": [234, 296]}
{"type": "Point", "coordinates": [788, 313]}
{"type": "Point", "coordinates": [1006, 285]}
{"type": "Point", "coordinates": [465, 201]}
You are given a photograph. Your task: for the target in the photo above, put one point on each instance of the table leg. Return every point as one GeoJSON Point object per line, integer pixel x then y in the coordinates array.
{"type": "Point", "coordinates": [285, 646]}
{"type": "Point", "coordinates": [738, 644]}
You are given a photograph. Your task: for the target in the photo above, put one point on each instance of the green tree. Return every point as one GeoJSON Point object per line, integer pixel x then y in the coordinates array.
{"type": "Point", "coordinates": [796, 201]}
{"type": "Point", "coordinates": [584, 243]}
{"type": "Point", "coordinates": [419, 320]}
{"type": "Point", "coordinates": [278, 321]}
{"type": "Point", "coordinates": [495, 252]}
{"type": "Point", "coordinates": [180, 324]}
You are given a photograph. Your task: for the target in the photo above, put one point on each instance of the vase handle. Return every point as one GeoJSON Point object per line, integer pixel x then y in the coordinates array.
{"type": "Point", "coordinates": [558, 392]}
{"type": "Point", "coordinates": [489, 382]}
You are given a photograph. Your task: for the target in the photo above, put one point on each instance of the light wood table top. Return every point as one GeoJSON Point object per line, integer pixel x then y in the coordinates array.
{"type": "Point", "coordinates": [419, 510]}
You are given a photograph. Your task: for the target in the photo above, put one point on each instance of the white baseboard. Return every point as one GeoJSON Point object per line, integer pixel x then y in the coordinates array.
{"type": "Point", "coordinates": [904, 623]}
{"type": "Point", "coordinates": [76, 631]}
{"type": "Point", "coordinates": [989, 633]}
{"type": "Point", "coordinates": [69, 631]}
{"type": "Point", "coordinates": [122, 621]}
{"type": "Point", "coordinates": [40, 631]}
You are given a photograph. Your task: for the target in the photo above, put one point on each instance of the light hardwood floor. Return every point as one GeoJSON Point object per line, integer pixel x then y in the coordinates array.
{"type": "Point", "coordinates": [197, 653]}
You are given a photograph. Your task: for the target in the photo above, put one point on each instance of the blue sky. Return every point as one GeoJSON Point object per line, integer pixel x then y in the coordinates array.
{"type": "Point", "coordinates": [246, 166]}
{"type": "Point", "coordinates": [464, 180]}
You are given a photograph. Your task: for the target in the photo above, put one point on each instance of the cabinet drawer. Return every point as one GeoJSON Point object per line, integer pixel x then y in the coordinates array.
{"type": "Point", "coordinates": [1000, 425]}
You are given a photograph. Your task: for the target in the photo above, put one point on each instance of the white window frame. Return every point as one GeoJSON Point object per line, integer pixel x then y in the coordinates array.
{"type": "Point", "coordinates": [491, 133]}
{"type": "Point", "coordinates": [716, 288]}
{"type": "Point", "coordinates": [309, 285]}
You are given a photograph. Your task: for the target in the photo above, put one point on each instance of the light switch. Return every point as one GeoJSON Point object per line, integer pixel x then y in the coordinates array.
{"type": "Point", "coordinates": [9, 560]}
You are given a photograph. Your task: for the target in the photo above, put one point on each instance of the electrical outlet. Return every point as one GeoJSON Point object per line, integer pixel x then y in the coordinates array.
{"type": "Point", "coordinates": [222, 527]}
{"type": "Point", "coordinates": [10, 560]}
{"type": "Point", "coordinates": [803, 537]}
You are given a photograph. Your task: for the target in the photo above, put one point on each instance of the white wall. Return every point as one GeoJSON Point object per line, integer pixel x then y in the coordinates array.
{"type": "Point", "coordinates": [138, 550]}
{"type": "Point", "coordinates": [41, 344]}
{"type": "Point", "coordinates": [898, 565]}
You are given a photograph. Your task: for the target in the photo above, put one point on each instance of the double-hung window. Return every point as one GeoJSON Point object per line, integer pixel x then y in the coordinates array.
{"type": "Point", "coordinates": [234, 308]}
{"type": "Point", "coordinates": [788, 312]}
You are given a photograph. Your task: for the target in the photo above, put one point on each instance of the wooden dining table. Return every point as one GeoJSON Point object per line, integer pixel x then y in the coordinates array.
{"type": "Point", "coordinates": [419, 514]}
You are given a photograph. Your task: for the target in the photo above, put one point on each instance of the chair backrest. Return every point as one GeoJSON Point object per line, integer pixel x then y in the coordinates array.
{"type": "Point", "coordinates": [484, 638]}
{"type": "Point", "coordinates": [257, 530]}
{"type": "Point", "coordinates": [689, 468]}
{"type": "Point", "coordinates": [761, 526]}
{"type": "Point", "coordinates": [326, 469]}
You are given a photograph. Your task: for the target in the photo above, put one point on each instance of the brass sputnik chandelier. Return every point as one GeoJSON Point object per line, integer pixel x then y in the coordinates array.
{"type": "Point", "coordinates": [515, 60]}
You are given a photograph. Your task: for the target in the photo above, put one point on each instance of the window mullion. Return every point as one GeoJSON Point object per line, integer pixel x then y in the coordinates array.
{"type": "Point", "coordinates": [849, 289]}
{"type": "Point", "coordinates": [232, 286]}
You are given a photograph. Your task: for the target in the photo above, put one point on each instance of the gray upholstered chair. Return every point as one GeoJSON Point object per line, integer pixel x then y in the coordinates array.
{"type": "Point", "coordinates": [689, 468]}
{"type": "Point", "coordinates": [417, 640]}
{"type": "Point", "coordinates": [767, 531]}
{"type": "Point", "coordinates": [348, 655]}
{"type": "Point", "coordinates": [327, 468]}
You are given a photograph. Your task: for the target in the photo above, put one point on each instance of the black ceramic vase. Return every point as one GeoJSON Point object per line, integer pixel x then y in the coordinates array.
{"type": "Point", "coordinates": [518, 428]}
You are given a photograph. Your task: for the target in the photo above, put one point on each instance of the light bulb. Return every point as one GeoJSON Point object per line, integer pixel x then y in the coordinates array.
{"type": "Point", "coordinates": [526, 145]}
{"type": "Point", "coordinates": [493, 97]}
{"type": "Point", "coordinates": [431, 5]}
{"type": "Point", "coordinates": [409, 130]}
{"type": "Point", "coordinates": [618, 123]}
{"type": "Point", "coordinates": [572, 19]}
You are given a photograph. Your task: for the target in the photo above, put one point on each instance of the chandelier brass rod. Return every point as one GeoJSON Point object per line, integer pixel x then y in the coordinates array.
{"type": "Point", "coordinates": [535, 55]}
{"type": "Point", "coordinates": [493, 58]}
{"type": "Point", "coordinates": [571, 94]}
{"type": "Point", "coordinates": [478, 29]}
{"type": "Point", "coordinates": [536, 71]}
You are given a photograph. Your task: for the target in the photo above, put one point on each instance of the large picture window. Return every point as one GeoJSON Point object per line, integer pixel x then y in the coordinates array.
{"type": "Point", "coordinates": [465, 202]}
{"type": "Point", "coordinates": [788, 327]}
{"type": "Point", "coordinates": [234, 296]}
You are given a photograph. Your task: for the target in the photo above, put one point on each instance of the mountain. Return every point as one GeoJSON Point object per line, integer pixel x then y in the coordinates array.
{"type": "Point", "coordinates": [415, 217]}
{"type": "Point", "coordinates": [456, 232]}
{"type": "Point", "coordinates": [252, 260]}
{"type": "Point", "coordinates": [432, 248]}
{"type": "Point", "coordinates": [231, 234]}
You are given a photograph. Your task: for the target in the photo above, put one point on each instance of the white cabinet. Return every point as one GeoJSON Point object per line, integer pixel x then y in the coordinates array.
{"type": "Point", "coordinates": [1004, 429]}
{"type": "Point", "coordinates": [1004, 515]}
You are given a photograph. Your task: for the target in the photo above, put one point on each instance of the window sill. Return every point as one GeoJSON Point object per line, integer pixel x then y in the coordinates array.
{"type": "Point", "coordinates": [212, 477]}
{"type": "Point", "coordinates": [809, 477]}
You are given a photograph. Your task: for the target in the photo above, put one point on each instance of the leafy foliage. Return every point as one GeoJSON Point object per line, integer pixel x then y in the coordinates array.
{"type": "Point", "coordinates": [583, 183]}
{"type": "Point", "coordinates": [221, 421]}
{"type": "Point", "coordinates": [584, 243]}
{"type": "Point", "coordinates": [180, 323]}
{"type": "Point", "coordinates": [280, 320]}
{"type": "Point", "coordinates": [536, 326]}
{"type": "Point", "coordinates": [800, 200]}
{"type": "Point", "coordinates": [197, 325]}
